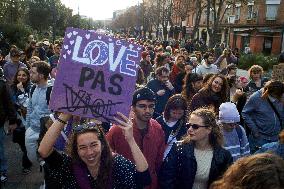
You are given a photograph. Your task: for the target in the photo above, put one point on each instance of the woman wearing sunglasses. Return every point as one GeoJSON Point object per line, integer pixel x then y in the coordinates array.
{"type": "Point", "coordinates": [90, 163]}
{"type": "Point", "coordinates": [199, 159]}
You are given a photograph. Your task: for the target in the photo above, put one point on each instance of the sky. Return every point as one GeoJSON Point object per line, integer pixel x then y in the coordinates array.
{"type": "Point", "coordinates": [98, 9]}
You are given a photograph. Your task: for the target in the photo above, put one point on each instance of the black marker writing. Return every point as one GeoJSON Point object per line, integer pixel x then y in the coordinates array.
{"type": "Point", "coordinates": [82, 100]}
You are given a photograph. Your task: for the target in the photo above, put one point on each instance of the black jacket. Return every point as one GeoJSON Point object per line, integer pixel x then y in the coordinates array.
{"type": "Point", "coordinates": [7, 110]}
{"type": "Point", "coordinates": [167, 130]}
{"type": "Point", "coordinates": [179, 168]}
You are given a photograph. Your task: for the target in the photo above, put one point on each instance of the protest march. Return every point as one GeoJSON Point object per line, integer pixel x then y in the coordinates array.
{"type": "Point", "coordinates": [106, 111]}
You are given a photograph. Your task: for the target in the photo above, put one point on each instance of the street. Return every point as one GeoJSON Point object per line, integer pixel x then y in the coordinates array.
{"type": "Point", "coordinates": [16, 180]}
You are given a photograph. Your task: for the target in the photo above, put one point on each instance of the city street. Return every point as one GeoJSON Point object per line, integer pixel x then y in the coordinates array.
{"type": "Point", "coordinates": [16, 180]}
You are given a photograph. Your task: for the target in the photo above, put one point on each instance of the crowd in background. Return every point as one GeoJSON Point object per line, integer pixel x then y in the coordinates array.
{"type": "Point", "coordinates": [194, 123]}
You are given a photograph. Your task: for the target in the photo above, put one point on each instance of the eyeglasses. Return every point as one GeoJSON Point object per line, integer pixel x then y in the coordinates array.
{"type": "Point", "coordinates": [144, 106]}
{"type": "Point", "coordinates": [85, 126]}
{"type": "Point", "coordinates": [194, 126]}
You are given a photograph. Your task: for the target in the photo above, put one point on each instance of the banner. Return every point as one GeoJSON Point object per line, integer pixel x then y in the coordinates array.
{"type": "Point", "coordinates": [96, 75]}
{"type": "Point", "coordinates": [278, 72]}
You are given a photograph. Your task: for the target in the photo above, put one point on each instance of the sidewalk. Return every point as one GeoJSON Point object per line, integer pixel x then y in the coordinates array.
{"type": "Point", "coordinates": [16, 180]}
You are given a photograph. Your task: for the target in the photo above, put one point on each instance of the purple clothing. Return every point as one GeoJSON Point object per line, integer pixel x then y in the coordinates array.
{"type": "Point", "coordinates": [10, 69]}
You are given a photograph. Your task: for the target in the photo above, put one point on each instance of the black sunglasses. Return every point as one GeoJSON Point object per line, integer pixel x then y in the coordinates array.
{"type": "Point", "coordinates": [85, 126]}
{"type": "Point", "coordinates": [194, 126]}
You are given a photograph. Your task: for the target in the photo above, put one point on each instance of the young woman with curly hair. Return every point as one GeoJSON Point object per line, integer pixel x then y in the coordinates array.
{"type": "Point", "coordinates": [212, 95]}
{"type": "Point", "coordinates": [199, 159]}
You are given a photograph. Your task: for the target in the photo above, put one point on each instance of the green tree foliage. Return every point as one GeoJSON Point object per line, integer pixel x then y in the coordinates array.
{"type": "Point", "coordinates": [19, 18]}
{"type": "Point", "coordinates": [266, 62]}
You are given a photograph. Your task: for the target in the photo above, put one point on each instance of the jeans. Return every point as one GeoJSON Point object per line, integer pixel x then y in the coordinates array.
{"type": "Point", "coordinates": [3, 160]}
{"type": "Point", "coordinates": [31, 142]}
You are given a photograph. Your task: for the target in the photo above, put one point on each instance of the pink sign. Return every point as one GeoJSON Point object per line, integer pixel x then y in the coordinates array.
{"type": "Point", "coordinates": [96, 75]}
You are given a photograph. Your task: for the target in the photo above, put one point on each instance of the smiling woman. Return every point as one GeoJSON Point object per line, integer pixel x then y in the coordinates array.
{"type": "Point", "coordinates": [90, 163]}
{"type": "Point", "coordinates": [212, 95]}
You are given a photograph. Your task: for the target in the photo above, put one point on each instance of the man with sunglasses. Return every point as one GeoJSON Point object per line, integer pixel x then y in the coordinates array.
{"type": "Point", "coordinates": [147, 132]}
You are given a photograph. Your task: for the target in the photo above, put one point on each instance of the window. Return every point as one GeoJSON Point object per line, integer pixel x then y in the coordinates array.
{"type": "Point", "coordinates": [211, 16]}
{"type": "Point", "coordinates": [238, 13]}
{"type": "Point", "coordinates": [250, 12]}
{"type": "Point", "coordinates": [272, 9]}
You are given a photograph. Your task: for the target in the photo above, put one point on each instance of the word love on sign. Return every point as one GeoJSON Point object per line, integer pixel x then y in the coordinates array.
{"type": "Point", "coordinates": [96, 75]}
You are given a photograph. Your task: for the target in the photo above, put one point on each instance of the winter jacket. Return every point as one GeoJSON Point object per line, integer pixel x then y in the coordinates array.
{"type": "Point", "coordinates": [201, 100]}
{"type": "Point", "coordinates": [7, 110]}
{"type": "Point", "coordinates": [180, 166]}
{"type": "Point", "coordinates": [204, 69]}
{"type": "Point", "coordinates": [155, 85]}
{"type": "Point", "coordinates": [152, 145]}
{"type": "Point", "coordinates": [37, 108]}
{"type": "Point", "coordinates": [167, 130]}
{"type": "Point", "coordinates": [259, 116]}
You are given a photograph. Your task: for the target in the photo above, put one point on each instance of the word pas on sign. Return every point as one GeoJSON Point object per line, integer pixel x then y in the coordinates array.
{"type": "Point", "coordinates": [106, 54]}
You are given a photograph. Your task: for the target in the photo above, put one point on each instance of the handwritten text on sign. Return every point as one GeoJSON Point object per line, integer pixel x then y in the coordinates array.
{"type": "Point", "coordinates": [96, 75]}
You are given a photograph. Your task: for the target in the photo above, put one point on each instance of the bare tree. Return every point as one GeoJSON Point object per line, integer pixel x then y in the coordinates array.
{"type": "Point", "coordinates": [216, 10]}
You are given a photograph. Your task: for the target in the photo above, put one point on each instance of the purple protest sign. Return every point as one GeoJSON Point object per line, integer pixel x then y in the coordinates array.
{"type": "Point", "coordinates": [96, 75]}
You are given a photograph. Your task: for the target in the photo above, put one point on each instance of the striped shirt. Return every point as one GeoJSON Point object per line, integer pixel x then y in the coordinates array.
{"type": "Point", "coordinates": [236, 147]}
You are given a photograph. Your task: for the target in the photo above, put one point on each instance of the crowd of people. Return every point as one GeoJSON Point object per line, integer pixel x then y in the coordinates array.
{"type": "Point", "coordinates": [194, 123]}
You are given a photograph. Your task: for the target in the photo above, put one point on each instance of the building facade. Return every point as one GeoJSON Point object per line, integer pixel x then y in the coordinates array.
{"type": "Point", "coordinates": [258, 24]}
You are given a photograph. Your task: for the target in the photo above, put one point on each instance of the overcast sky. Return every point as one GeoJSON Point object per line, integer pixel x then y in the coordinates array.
{"type": "Point", "coordinates": [98, 9]}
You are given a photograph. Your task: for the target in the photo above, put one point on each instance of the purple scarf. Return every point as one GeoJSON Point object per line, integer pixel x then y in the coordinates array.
{"type": "Point", "coordinates": [80, 171]}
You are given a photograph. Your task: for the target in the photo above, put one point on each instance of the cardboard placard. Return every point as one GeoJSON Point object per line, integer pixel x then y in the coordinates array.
{"type": "Point", "coordinates": [96, 75]}
{"type": "Point", "coordinates": [278, 72]}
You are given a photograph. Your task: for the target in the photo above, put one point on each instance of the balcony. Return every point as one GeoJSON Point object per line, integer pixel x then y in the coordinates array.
{"type": "Point", "coordinates": [270, 21]}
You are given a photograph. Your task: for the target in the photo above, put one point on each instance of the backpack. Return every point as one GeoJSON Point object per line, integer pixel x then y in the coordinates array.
{"type": "Point", "coordinates": [240, 133]}
{"type": "Point", "coordinates": [48, 92]}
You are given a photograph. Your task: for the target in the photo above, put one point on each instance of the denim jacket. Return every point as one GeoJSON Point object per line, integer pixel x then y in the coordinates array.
{"type": "Point", "coordinates": [260, 117]}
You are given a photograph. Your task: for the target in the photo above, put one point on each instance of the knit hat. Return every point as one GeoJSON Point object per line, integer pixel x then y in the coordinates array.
{"type": "Point", "coordinates": [143, 94]}
{"type": "Point", "coordinates": [228, 113]}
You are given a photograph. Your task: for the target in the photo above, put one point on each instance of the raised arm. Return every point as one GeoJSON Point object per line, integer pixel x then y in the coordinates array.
{"type": "Point", "coordinates": [127, 128]}
{"type": "Point", "coordinates": [49, 139]}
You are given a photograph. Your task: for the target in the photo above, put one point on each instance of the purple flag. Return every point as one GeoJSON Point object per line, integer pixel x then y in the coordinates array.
{"type": "Point", "coordinates": [96, 75]}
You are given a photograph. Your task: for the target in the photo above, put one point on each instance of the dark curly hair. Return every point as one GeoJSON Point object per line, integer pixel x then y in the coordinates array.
{"type": "Point", "coordinates": [15, 80]}
{"type": "Point", "coordinates": [207, 89]}
{"type": "Point", "coordinates": [188, 90]}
